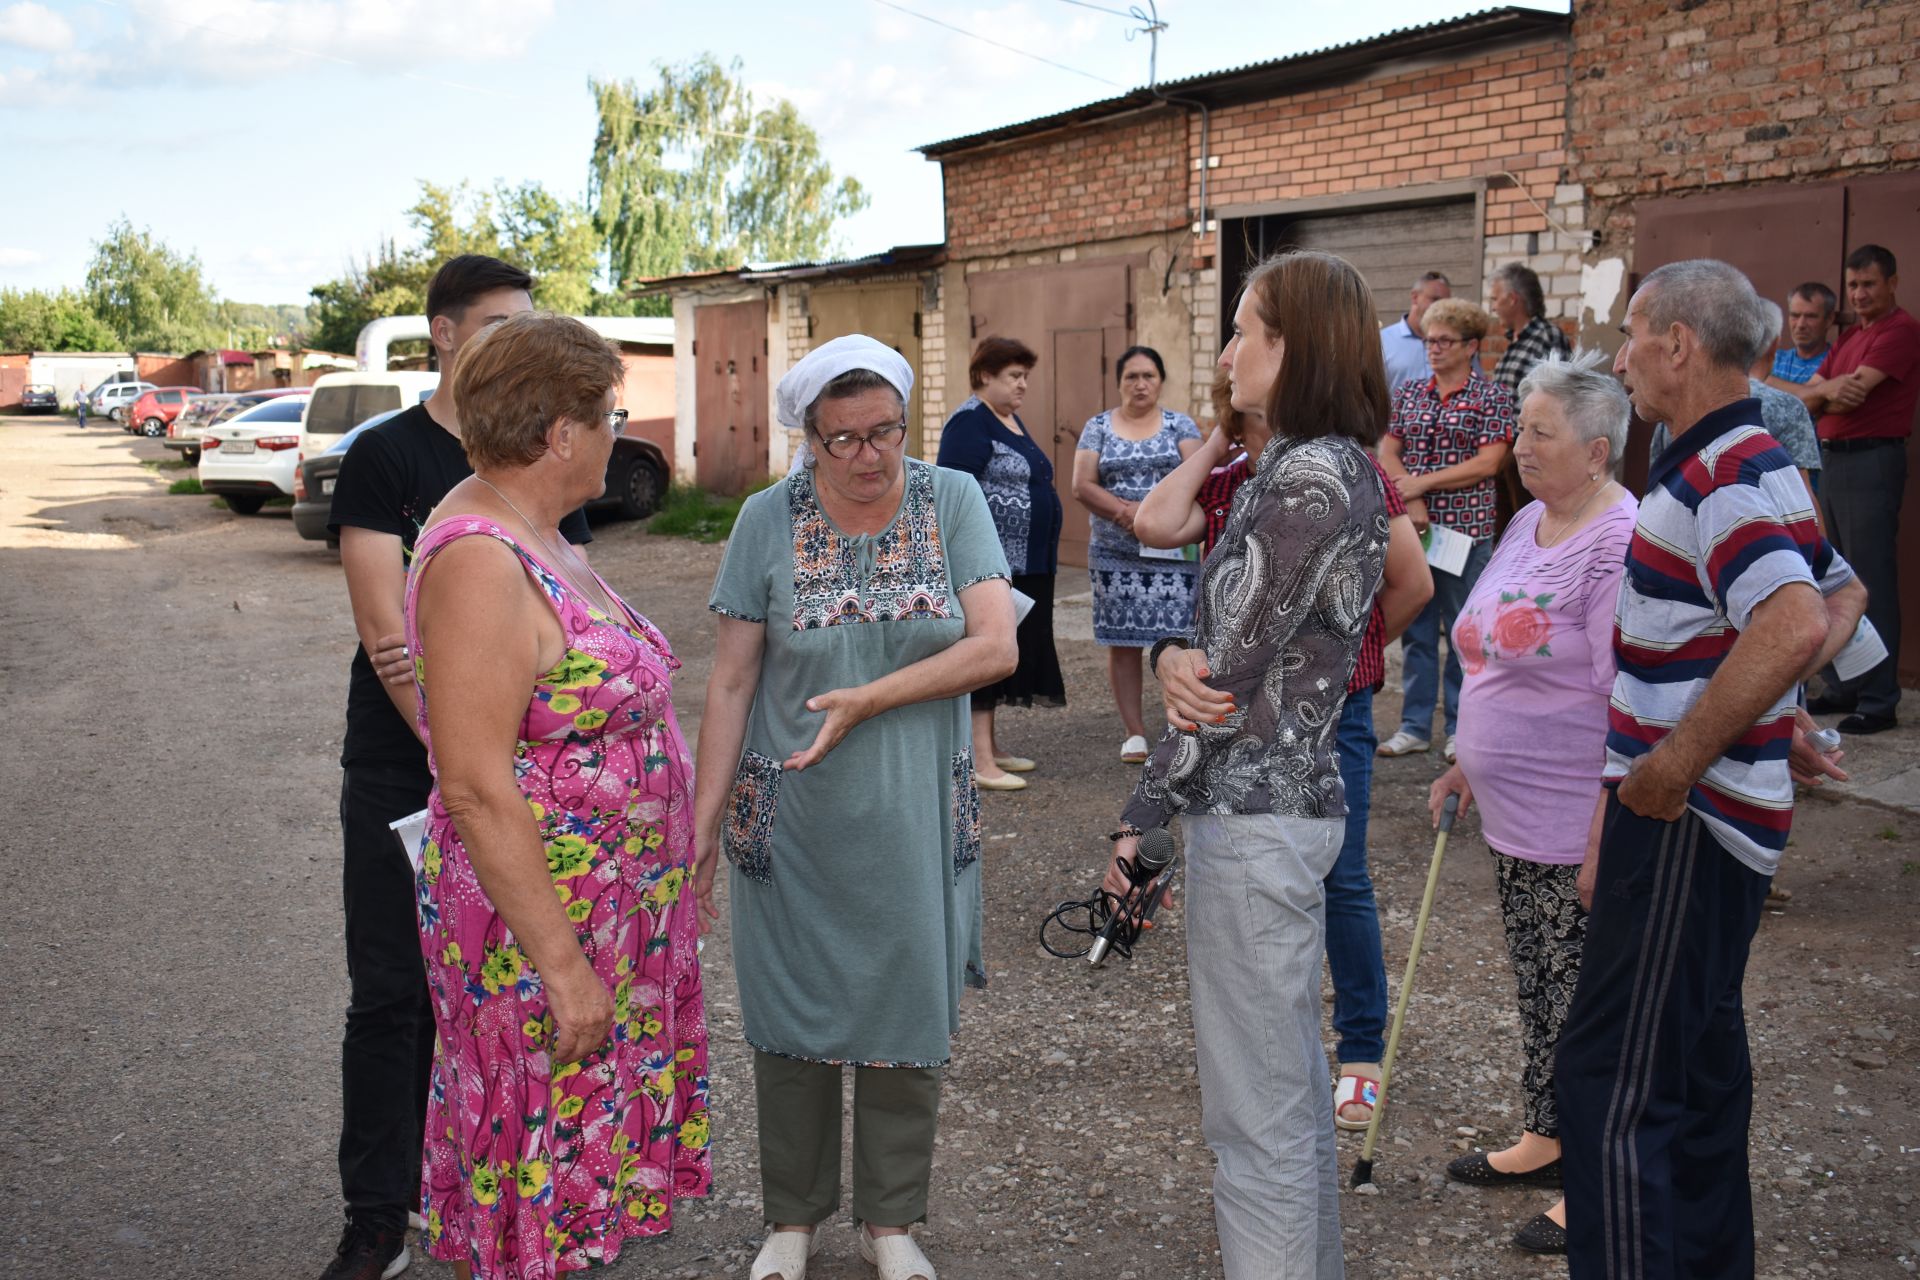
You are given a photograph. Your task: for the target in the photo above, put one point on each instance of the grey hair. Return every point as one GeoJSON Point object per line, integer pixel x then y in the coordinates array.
{"type": "Point", "coordinates": [1712, 299]}
{"type": "Point", "coordinates": [845, 387]}
{"type": "Point", "coordinates": [1524, 283]}
{"type": "Point", "coordinates": [1428, 277]}
{"type": "Point", "coordinates": [1772, 318]}
{"type": "Point", "coordinates": [1593, 400]}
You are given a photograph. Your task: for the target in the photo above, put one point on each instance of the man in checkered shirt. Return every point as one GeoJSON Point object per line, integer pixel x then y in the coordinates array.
{"type": "Point", "coordinates": [1732, 598]}
{"type": "Point", "coordinates": [1517, 300]}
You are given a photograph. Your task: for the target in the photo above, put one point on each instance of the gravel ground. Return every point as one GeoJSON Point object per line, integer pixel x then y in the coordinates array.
{"type": "Point", "coordinates": [177, 675]}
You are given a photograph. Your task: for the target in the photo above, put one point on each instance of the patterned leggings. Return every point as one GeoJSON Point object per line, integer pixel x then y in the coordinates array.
{"type": "Point", "coordinates": [1546, 929]}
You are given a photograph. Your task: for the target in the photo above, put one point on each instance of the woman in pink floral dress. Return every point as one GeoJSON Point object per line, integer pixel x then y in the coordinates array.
{"type": "Point", "coordinates": [568, 1105]}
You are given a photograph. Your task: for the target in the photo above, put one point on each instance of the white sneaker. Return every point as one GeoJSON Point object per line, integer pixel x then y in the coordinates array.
{"type": "Point", "coordinates": [415, 1222]}
{"type": "Point", "coordinates": [895, 1257]}
{"type": "Point", "coordinates": [1402, 743]}
{"type": "Point", "coordinates": [1133, 750]}
{"type": "Point", "coordinates": [1449, 752]}
{"type": "Point", "coordinates": [785, 1254]}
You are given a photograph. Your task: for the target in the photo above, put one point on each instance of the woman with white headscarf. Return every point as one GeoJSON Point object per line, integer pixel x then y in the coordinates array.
{"type": "Point", "coordinates": [860, 600]}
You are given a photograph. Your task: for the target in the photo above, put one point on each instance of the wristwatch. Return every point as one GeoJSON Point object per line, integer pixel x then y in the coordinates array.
{"type": "Point", "coordinates": [1161, 646]}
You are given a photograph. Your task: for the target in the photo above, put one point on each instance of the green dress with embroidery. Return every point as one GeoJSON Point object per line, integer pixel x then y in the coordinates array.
{"type": "Point", "coordinates": [855, 887]}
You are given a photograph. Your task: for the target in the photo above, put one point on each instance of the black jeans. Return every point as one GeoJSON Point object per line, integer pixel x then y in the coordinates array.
{"type": "Point", "coordinates": [387, 1052]}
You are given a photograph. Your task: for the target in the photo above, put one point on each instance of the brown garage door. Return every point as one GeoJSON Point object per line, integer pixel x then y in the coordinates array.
{"type": "Point", "coordinates": [1392, 248]}
{"type": "Point", "coordinates": [888, 313]}
{"type": "Point", "coordinates": [1781, 236]}
{"type": "Point", "coordinates": [1078, 317]}
{"type": "Point", "coordinates": [730, 395]}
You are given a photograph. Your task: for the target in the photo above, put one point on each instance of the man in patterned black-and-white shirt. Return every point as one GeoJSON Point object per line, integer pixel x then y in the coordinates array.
{"type": "Point", "coordinates": [1516, 298]}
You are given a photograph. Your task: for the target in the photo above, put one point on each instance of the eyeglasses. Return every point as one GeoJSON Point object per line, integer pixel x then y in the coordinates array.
{"type": "Point", "coordinates": [845, 444]}
{"type": "Point", "coordinates": [1445, 344]}
{"type": "Point", "coordinates": [617, 422]}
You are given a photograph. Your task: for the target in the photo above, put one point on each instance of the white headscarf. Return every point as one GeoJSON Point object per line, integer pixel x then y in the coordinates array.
{"type": "Point", "coordinates": [804, 382]}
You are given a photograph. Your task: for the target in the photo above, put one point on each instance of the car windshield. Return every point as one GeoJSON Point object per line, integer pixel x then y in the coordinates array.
{"type": "Point", "coordinates": [278, 409]}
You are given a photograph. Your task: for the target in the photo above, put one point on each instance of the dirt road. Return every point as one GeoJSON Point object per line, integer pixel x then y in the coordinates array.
{"type": "Point", "coordinates": [173, 679]}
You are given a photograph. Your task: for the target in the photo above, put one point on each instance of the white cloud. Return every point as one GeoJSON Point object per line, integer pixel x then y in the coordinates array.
{"type": "Point", "coordinates": [11, 257]}
{"type": "Point", "coordinates": [35, 27]}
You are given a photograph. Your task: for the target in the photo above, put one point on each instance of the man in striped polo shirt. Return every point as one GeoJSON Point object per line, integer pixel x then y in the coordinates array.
{"type": "Point", "coordinates": [1732, 598]}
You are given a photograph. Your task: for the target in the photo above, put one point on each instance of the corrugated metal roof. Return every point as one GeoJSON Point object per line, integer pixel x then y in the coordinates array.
{"type": "Point", "coordinates": [904, 257]}
{"type": "Point", "coordinates": [1277, 75]}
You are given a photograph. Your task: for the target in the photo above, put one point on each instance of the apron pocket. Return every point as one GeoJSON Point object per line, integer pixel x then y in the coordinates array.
{"type": "Point", "coordinates": [747, 836]}
{"type": "Point", "coordinates": [966, 813]}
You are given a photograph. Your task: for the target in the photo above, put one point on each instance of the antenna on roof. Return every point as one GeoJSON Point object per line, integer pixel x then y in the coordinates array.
{"type": "Point", "coordinates": [1150, 25]}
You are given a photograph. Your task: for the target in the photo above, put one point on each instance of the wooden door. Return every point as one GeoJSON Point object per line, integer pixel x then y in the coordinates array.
{"type": "Point", "coordinates": [730, 396]}
{"type": "Point", "coordinates": [1077, 316]}
{"type": "Point", "coordinates": [888, 313]}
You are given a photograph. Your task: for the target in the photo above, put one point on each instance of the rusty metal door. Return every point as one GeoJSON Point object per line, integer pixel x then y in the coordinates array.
{"type": "Point", "coordinates": [1885, 210]}
{"type": "Point", "coordinates": [1077, 316]}
{"type": "Point", "coordinates": [888, 313]}
{"type": "Point", "coordinates": [730, 396]}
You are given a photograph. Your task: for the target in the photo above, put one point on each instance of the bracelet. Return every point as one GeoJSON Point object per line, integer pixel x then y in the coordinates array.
{"type": "Point", "coordinates": [1128, 832]}
{"type": "Point", "coordinates": [1161, 646]}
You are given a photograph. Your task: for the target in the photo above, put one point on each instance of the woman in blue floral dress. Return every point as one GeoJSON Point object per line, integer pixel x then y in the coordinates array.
{"type": "Point", "coordinates": [1139, 593]}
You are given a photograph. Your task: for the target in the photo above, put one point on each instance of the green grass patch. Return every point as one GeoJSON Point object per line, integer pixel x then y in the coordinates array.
{"type": "Point", "coordinates": [1888, 833]}
{"type": "Point", "coordinates": [186, 484]}
{"type": "Point", "coordinates": [689, 511]}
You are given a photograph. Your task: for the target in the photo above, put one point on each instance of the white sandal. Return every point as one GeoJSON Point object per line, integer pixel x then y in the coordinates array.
{"type": "Point", "coordinates": [785, 1254]}
{"type": "Point", "coordinates": [897, 1257]}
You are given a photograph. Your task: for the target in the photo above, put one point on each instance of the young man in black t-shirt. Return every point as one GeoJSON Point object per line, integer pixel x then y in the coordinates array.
{"type": "Point", "coordinates": [390, 481]}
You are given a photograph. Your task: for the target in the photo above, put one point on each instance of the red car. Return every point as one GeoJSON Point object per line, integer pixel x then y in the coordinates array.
{"type": "Point", "coordinates": [150, 414]}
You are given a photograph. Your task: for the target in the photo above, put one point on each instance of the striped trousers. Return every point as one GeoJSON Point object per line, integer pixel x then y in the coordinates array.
{"type": "Point", "coordinates": [1654, 1082]}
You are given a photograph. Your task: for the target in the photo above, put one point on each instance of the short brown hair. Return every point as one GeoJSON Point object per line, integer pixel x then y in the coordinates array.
{"type": "Point", "coordinates": [517, 377]}
{"type": "Point", "coordinates": [995, 354]}
{"type": "Point", "coordinates": [1461, 316]}
{"type": "Point", "coordinates": [1332, 381]}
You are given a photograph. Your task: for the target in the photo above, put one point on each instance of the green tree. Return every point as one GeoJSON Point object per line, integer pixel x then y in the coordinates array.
{"type": "Point", "coordinates": [34, 320]}
{"type": "Point", "coordinates": [153, 298]}
{"type": "Point", "coordinates": [391, 282]}
{"type": "Point", "coordinates": [688, 176]}
{"type": "Point", "coordinates": [554, 239]}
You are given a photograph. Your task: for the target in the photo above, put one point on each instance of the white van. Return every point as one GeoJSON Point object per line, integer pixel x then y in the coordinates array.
{"type": "Point", "coordinates": [342, 401]}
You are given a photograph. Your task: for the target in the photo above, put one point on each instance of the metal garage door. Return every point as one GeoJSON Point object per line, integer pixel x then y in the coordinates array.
{"type": "Point", "coordinates": [1078, 318]}
{"type": "Point", "coordinates": [889, 313]}
{"type": "Point", "coordinates": [1391, 247]}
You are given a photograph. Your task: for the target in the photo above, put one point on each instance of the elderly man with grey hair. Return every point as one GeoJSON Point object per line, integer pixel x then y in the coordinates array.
{"type": "Point", "coordinates": [1732, 597]}
{"type": "Point", "coordinates": [1515, 296]}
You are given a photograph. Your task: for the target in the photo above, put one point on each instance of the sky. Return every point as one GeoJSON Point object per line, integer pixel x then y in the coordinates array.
{"type": "Point", "coordinates": [281, 140]}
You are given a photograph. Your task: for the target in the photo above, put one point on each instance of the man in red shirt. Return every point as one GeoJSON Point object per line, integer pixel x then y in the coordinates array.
{"type": "Point", "coordinates": [1863, 397]}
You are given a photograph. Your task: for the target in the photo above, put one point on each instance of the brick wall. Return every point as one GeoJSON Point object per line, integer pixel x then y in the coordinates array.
{"type": "Point", "coordinates": [1671, 98]}
{"type": "Point", "coordinates": [1502, 111]}
{"type": "Point", "coordinates": [1078, 186]}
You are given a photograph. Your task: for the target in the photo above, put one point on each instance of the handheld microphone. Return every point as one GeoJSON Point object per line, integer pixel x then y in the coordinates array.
{"type": "Point", "coordinates": [1152, 857]}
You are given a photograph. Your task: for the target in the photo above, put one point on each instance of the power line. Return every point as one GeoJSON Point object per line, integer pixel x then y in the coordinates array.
{"type": "Point", "coordinates": [1060, 66]}
{"type": "Point", "coordinates": [1100, 8]}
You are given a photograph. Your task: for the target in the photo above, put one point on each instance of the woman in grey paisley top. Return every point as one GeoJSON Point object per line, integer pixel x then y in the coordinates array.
{"type": "Point", "coordinates": [1284, 601]}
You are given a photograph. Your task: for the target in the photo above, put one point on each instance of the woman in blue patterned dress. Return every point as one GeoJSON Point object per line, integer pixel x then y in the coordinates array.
{"type": "Point", "coordinates": [1139, 593]}
{"type": "Point", "coordinates": [986, 439]}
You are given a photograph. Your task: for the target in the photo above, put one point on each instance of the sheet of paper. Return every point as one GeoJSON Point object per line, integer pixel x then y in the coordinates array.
{"type": "Point", "coordinates": [1447, 550]}
{"type": "Point", "coordinates": [1162, 553]}
{"type": "Point", "coordinates": [1862, 653]}
{"type": "Point", "coordinates": [412, 834]}
{"type": "Point", "coordinates": [1022, 606]}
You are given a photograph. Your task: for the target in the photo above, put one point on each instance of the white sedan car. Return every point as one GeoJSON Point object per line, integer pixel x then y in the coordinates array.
{"type": "Point", "coordinates": [254, 455]}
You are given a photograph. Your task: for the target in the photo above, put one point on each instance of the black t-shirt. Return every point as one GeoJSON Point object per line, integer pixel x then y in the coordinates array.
{"type": "Point", "coordinates": [392, 478]}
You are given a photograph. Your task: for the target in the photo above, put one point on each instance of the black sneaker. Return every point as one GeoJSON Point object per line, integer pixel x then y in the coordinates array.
{"type": "Point", "coordinates": [1861, 723]}
{"type": "Point", "coordinates": [1827, 704]}
{"type": "Point", "coordinates": [366, 1253]}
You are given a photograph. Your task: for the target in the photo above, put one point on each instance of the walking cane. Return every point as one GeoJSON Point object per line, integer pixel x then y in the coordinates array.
{"type": "Point", "coordinates": [1363, 1169]}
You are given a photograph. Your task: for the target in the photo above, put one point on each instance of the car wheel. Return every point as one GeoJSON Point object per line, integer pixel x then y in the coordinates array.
{"type": "Point", "coordinates": [117, 414]}
{"type": "Point", "coordinates": [153, 428]}
{"type": "Point", "coordinates": [639, 489]}
{"type": "Point", "coordinates": [192, 456]}
{"type": "Point", "coordinates": [245, 504]}
{"type": "Point", "coordinates": [333, 544]}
